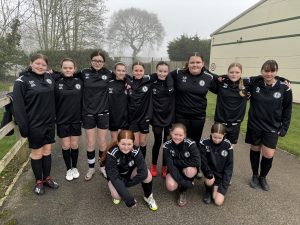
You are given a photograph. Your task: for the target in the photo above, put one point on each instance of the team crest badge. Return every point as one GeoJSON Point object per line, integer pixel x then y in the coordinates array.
{"type": "Point", "coordinates": [277, 95]}
{"type": "Point", "coordinates": [104, 77]}
{"type": "Point", "coordinates": [144, 88]}
{"type": "Point", "coordinates": [78, 86]}
{"type": "Point", "coordinates": [49, 81]}
{"type": "Point", "coordinates": [224, 153]}
{"type": "Point", "coordinates": [131, 163]}
{"type": "Point", "coordinates": [187, 154]}
{"type": "Point", "coordinates": [201, 83]}
{"type": "Point", "coordinates": [257, 90]}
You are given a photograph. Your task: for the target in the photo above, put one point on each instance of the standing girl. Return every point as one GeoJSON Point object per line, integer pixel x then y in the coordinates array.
{"type": "Point", "coordinates": [34, 108]}
{"type": "Point", "coordinates": [163, 114]}
{"type": "Point", "coordinates": [118, 103]}
{"type": "Point", "coordinates": [95, 110]}
{"type": "Point", "coordinates": [126, 167]}
{"type": "Point", "coordinates": [269, 117]}
{"type": "Point", "coordinates": [217, 164]}
{"type": "Point", "coordinates": [68, 98]}
{"type": "Point", "coordinates": [183, 159]}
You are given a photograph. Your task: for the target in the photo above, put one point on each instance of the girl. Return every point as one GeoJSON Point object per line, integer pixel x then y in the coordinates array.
{"type": "Point", "coordinates": [269, 117]}
{"type": "Point", "coordinates": [68, 97]}
{"type": "Point", "coordinates": [95, 110]}
{"type": "Point", "coordinates": [183, 159]}
{"type": "Point", "coordinates": [163, 114]}
{"type": "Point", "coordinates": [118, 104]}
{"type": "Point", "coordinates": [34, 108]}
{"type": "Point", "coordinates": [126, 167]}
{"type": "Point", "coordinates": [217, 164]}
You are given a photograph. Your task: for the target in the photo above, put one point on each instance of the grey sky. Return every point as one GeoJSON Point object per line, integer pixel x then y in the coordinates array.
{"type": "Point", "coordinates": [185, 17]}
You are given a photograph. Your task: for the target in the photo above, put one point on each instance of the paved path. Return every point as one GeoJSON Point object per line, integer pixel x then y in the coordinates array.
{"type": "Point", "coordinates": [81, 202]}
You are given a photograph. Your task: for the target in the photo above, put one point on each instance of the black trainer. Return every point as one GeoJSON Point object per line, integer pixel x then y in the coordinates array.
{"type": "Point", "coordinates": [264, 184]}
{"type": "Point", "coordinates": [39, 188]}
{"type": "Point", "coordinates": [51, 183]}
{"type": "Point", "coordinates": [207, 198]}
{"type": "Point", "coordinates": [254, 181]}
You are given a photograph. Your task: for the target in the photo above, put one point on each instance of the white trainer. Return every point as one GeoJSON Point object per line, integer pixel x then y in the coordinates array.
{"type": "Point", "coordinates": [69, 175]}
{"type": "Point", "coordinates": [103, 171]}
{"type": "Point", "coordinates": [151, 202]}
{"type": "Point", "coordinates": [90, 173]}
{"type": "Point", "coordinates": [75, 173]}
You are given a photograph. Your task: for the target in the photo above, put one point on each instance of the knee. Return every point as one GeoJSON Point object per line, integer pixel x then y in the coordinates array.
{"type": "Point", "coordinates": [74, 145]}
{"type": "Point", "coordinates": [219, 201]}
{"type": "Point", "coordinates": [171, 186]}
{"type": "Point", "coordinates": [190, 172]}
{"type": "Point", "coordinates": [149, 178]}
{"type": "Point", "coordinates": [209, 182]}
{"type": "Point", "coordinates": [65, 146]}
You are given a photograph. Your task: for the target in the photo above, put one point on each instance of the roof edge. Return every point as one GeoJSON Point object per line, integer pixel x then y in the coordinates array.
{"type": "Point", "coordinates": [239, 16]}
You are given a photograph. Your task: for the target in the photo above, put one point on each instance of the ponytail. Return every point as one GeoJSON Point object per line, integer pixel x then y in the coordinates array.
{"type": "Point", "coordinates": [242, 87]}
{"type": "Point", "coordinates": [104, 155]}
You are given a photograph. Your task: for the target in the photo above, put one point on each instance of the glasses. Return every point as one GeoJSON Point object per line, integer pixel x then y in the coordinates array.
{"type": "Point", "coordinates": [97, 61]}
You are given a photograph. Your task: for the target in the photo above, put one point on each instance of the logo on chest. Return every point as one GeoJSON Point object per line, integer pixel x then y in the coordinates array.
{"type": "Point", "coordinates": [277, 95]}
{"type": "Point", "coordinates": [60, 86]}
{"type": "Point", "coordinates": [87, 76]}
{"type": "Point", "coordinates": [201, 83]}
{"type": "Point", "coordinates": [49, 81]}
{"type": "Point", "coordinates": [224, 153]}
{"type": "Point", "coordinates": [154, 91]}
{"type": "Point", "coordinates": [104, 77]}
{"type": "Point", "coordinates": [110, 90]}
{"type": "Point", "coordinates": [144, 88]}
{"type": "Point", "coordinates": [187, 154]}
{"type": "Point", "coordinates": [78, 86]}
{"type": "Point", "coordinates": [184, 78]}
{"type": "Point", "coordinates": [225, 85]}
{"type": "Point", "coordinates": [32, 84]}
{"type": "Point", "coordinates": [257, 90]}
{"type": "Point", "coordinates": [131, 163]}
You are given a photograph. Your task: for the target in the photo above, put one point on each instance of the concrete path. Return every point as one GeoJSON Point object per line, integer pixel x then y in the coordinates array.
{"type": "Point", "coordinates": [80, 202]}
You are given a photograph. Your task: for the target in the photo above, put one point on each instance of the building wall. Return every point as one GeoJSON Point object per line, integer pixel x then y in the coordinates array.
{"type": "Point", "coordinates": [269, 31]}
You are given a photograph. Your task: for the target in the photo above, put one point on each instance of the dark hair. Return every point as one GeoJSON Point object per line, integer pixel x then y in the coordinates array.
{"type": "Point", "coordinates": [218, 128]}
{"type": "Point", "coordinates": [241, 82]}
{"type": "Point", "coordinates": [137, 63]}
{"type": "Point", "coordinates": [97, 53]}
{"type": "Point", "coordinates": [123, 134]}
{"type": "Point", "coordinates": [270, 65]}
{"type": "Point", "coordinates": [178, 125]}
{"type": "Point", "coordinates": [160, 63]}
{"type": "Point", "coordinates": [195, 54]}
{"type": "Point", "coordinates": [119, 64]}
{"type": "Point", "coordinates": [67, 59]}
{"type": "Point", "coordinates": [38, 56]}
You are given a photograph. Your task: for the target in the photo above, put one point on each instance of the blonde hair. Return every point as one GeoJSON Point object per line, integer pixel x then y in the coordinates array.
{"type": "Point", "coordinates": [241, 82]}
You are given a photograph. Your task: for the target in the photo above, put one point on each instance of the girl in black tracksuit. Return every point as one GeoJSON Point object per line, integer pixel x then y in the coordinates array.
{"type": "Point", "coordinates": [269, 117]}
{"type": "Point", "coordinates": [191, 86]}
{"type": "Point", "coordinates": [217, 164]}
{"type": "Point", "coordinates": [95, 108]}
{"type": "Point", "coordinates": [34, 111]}
{"type": "Point", "coordinates": [68, 99]}
{"type": "Point", "coordinates": [183, 159]}
{"type": "Point", "coordinates": [163, 114]}
{"type": "Point", "coordinates": [118, 101]}
{"type": "Point", "coordinates": [126, 167]}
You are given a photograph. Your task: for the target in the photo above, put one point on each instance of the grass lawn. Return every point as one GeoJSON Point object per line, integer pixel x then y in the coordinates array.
{"type": "Point", "coordinates": [7, 142]}
{"type": "Point", "coordinates": [288, 143]}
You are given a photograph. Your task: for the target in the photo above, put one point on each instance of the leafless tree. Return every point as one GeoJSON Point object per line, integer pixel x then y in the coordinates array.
{"type": "Point", "coordinates": [134, 28]}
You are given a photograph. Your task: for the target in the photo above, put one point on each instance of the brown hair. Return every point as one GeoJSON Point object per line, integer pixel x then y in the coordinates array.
{"type": "Point", "coordinates": [123, 134]}
{"type": "Point", "coordinates": [67, 59]}
{"type": "Point", "coordinates": [270, 65]}
{"type": "Point", "coordinates": [38, 56]}
{"type": "Point", "coordinates": [195, 54]}
{"type": "Point", "coordinates": [119, 64]}
{"type": "Point", "coordinates": [137, 63]}
{"type": "Point", "coordinates": [218, 128]}
{"type": "Point", "coordinates": [160, 63]}
{"type": "Point", "coordinates": [97, 53]}
{"type": "Point", "coordinates": [178, 125]}
{"type": "Point", "coordinates": [241, 82]}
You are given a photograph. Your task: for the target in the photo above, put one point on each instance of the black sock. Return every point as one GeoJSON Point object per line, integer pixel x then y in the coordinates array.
{"type": "Point", "coordinates": [143, 150]}
{"type": "Point", "coordinates": [182, 189]}
{"type": "Point", "coordinates": [265, 166]}
{"type": "Point", "coordinates": [254, 159]}
{"type": "Point", "coordinates": [46, 165]}
{"type": "Point", "coordinates": [156, 147]}
{"type": "Point", "coordinates": [147, 187]}
{"type": "Point", "coordinates": [74, 156]}
{"type": "Point", "coordinates": [67, 158]}
{"type": "Point", "coordinates": [37, 168]}
{"type": "Point", "coordinates": [208, 189]}
{"type": "Point", "coordinates": [91, 159]}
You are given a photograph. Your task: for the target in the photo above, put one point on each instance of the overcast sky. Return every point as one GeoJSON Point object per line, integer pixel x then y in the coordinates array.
{"type": "Point", "coordinates": [185, 17]}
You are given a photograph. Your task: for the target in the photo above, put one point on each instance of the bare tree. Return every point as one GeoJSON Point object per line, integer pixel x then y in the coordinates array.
{"type": "Point", "coordinates": [134, 28]}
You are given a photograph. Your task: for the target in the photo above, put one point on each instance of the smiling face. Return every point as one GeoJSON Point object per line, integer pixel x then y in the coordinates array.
{"type": "Point", "coordinates": [269, 76]}
{"type": "Point", "coordinates": [162, 72]}
{"type": "Point", "coordinates": [138, 71]}
{"type": "Point", "coordinates": [178, 135]}
{"type": "Point", "coordinates": [195, 65]}
{"type": "Point", "coordinates": [125, 145]}
{"type": "Point", "coordinates": [234, 73]}
{"type": "Point", "coordinates": [39, 66]}
{"type": "Point", "coordinates": [68, 68]}
{"type": "Point", "coordinates": [217, 137]}
{"type": "Point", "coordinates": [97, 62]}
{"type": "Point", "coordinates": [120, 72]}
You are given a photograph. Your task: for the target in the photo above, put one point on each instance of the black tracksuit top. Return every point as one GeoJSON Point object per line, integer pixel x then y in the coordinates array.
{"type": "Point", "coordinates": [34, 101]}
{"type": "Point", "coordinates": [118, 103]}
{"type": "Point", "coordinates": [185, 154]}
{"type": "Point", "coordinates": [270, 107]}
{"type": "Point", "coordinates": [217, 160]}
{"type": "Point", "coordinates": [95, 90]}
{"type": "Point", "coordinates": [119, 167]}
{"type": "Point", "coordinates": [191, 90]}
{"type": "Point", "coordinates": [140, 99]}
{"type": "Point", "coordinates": [163, 104]}
{"type": "Point", "coordinates": [68, 99]}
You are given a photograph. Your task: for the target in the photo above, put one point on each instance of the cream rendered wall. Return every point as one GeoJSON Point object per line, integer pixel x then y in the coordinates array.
{"type": "Point", "coordinates": [286, 51]}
